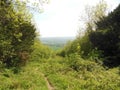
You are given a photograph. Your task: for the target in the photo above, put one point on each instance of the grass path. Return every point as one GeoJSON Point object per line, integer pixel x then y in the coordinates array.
{"type": "Point", "coordinates": [55, 74]}
{"type": "Point", "coordinates": [50, 87]}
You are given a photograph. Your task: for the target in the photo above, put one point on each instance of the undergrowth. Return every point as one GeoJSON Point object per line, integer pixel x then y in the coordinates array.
{"type": "Point", "coordinates": [67, 73]}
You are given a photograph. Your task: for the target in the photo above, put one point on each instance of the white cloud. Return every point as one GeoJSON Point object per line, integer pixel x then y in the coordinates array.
{"type": "Point", "coordinates": [60, 17]}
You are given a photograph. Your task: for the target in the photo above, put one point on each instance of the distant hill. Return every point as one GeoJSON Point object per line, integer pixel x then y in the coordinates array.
{"type": "Point", "coordinates": [56, 42]}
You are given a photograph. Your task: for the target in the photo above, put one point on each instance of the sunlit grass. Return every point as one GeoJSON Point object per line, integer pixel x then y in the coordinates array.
{"type": "Point", "coordinates": [29, 78]}
{"type": "Point", "coordinates": [60, 75]}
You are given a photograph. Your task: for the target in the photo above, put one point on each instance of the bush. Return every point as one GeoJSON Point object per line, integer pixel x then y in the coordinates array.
{"type": "Point", "coordinates": [75, 62]}
{"type": "Point", "coordinates": [81, 46]}
{"type": "Point", "coordinates": [70, 48]}
{"type": "Point", "coordinates": [85, 45]}
{"type": "Point", "coordinates": [40, 51]}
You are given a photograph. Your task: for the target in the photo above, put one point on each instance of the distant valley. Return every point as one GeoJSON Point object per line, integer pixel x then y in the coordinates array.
{"type": "Point", "coordinates": [56, 42]}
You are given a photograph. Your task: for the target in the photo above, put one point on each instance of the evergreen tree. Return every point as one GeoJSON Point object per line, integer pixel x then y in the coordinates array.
{"type": "Point", "coordinates": [107, 37]}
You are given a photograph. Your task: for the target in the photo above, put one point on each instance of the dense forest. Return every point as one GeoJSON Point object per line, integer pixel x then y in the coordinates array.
{"type": "Point", "coordinates": [88, 62]}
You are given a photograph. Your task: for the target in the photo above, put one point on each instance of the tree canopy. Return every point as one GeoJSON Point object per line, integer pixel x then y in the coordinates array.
{"type": "Point", "coordinates": [17, 33]}
{"type": "Point", "coordinates": [107, 37]}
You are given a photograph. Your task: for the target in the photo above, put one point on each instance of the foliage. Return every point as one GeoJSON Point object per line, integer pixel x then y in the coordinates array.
{"type": "Point", "coordinates": [59, 71]}
{"type": "Point", "coordinates": [89, 75]}
{"type": "Point", "coordinates": [82, 44]}
{"type": "Point", "coordinates": [75, 62]}
{"type": "Point", "coordinates": [85, 44]}
{"type": "Point", "coordinates": [83, 47]}
{"type": "Point", "coordinates": [74, 71]}
{"type": "Point", "coordinates": [93, 14]}
{"type": "Point", "coordinates": [40, 51]}
{"type": "Point", "coordinates": [69, 48]}
{"type": "Point", "coordinates": [28, 78]}
{"type": "Point", "coordinates": [106, 37]}
{"type": "Point", "coordinates": [17, 33]}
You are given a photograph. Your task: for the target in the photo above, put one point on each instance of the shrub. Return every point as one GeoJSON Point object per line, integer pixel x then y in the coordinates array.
{"type": "Point", "coordinates": [40, 51]}
{"type": "Point", "coordinates": [75, 62]}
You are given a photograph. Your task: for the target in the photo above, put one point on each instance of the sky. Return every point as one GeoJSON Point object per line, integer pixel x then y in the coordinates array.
{"type": "Point", "coordinates": [61, 17]}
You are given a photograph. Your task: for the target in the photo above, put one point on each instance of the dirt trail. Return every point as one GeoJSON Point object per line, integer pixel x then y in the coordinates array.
{"type": "Point", "coordinates": [50, 87]}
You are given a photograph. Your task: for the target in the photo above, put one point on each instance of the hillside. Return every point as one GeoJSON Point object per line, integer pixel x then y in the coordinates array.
{"type": "Point", "coordinates": [57, 74]}
{"type": "Point", "coordinates": [89, 61]}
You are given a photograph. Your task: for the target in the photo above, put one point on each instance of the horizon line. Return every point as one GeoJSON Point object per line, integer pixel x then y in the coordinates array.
{"type": "Point", "coordinates": [55, 36]}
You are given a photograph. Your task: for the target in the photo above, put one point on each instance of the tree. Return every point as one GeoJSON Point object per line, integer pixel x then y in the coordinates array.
{"type": "Point", "coordinates": [17, 33]}
{"type": "Point", "coordinates": [107, 37]}
{"type": "Point", "coordinates": [92, 15]}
